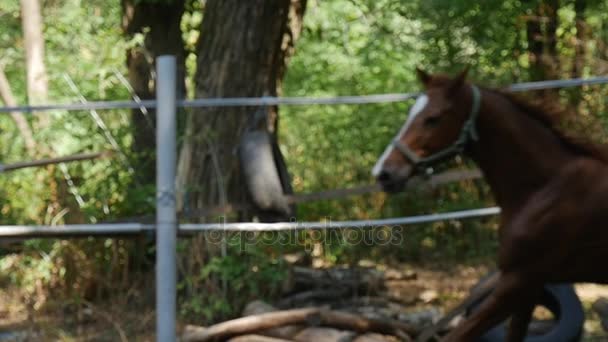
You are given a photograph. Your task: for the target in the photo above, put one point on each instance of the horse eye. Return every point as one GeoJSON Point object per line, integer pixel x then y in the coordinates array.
{"type": "Point", "coordinates": [432, 121]}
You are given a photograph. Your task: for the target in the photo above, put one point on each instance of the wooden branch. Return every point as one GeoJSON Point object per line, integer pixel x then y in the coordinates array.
{"type": "Point", "coordinates": [339, 278]}
{"type": "Point", "coordinates": [20, 121]}
{"type": "Point", "coordinates": [257, 338]}
{"type": "Point", "coordinates": [357, 323]}
{"type": "Point", "coordinates": [477, 294]}
{"type": "Point", "coordinates": [443, 178]}
{"type": "Point", "coordinates": [49, 161]}
{"type": "Point", "coordinates": [311, 295]}
{"type": "Point", "coordinates": [311, 316]}
{"type": "Point", "coordinates": [433, 181]}
{"type": "Point", "coordinates": [251, 324]}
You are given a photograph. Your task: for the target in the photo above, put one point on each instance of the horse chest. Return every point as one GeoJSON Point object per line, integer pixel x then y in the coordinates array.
{"type": "Point", "coordinates": [559, 231]}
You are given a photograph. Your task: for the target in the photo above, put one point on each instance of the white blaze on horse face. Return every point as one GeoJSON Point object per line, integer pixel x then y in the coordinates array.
{"type": "Point", "coordinates": [416, 109]}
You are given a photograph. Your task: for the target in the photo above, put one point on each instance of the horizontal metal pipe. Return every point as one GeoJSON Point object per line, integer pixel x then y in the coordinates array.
{"type": "Point", "coordinates": [287, 101]}
{"type": "Point", "coordinates": [50, 161]}
{"type": "Point", "coordinates": [14, 231]}
{"type": "Point", "coordinates": [74, 230]}
{"type": "Point", "coordinates": [574, 82]}
{"type": "Point", "coordinates": [298, 101]}
{"type": "Point", "coordinates": [398, 221]}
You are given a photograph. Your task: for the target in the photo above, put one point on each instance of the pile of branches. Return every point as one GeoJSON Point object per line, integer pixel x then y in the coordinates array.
{"type": "Point", "coordinates": [325, 305]}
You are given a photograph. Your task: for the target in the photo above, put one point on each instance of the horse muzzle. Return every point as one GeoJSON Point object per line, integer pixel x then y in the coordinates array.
{"type": "Point", "coordinates": [394, 179]}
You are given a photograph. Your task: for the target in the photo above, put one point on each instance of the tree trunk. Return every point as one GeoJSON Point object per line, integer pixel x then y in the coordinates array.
{"type": "Point", "coordinates": [6, 94]}
{"type": "Point", "coordinates": [534, 37]}
{"type": "Point", "coordinates": [541, 30]}
{"type": "Point", "coordinates": [580, 6]}
{"type": "Point", "coordinates": [159, 22]}
{"type": "Point", "coordinates": [242, 52]}
{"type": "Point", "coordinates": [37, 84]}
{"type": "Point", "coordinates": [551, 62]}
{"type": "Point", "coordinates": [37, 93]}
{"type": "Point", "coordinates": [578, 64]}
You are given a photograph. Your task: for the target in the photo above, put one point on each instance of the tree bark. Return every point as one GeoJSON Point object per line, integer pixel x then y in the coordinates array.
{"type": "Point", "coordinates": [578, 63]}
{"type": "Point", "coordinates": [242, 52]}
{"type": "Point", "coordinates": [316, 316]}
{"type": "Point", "coordinates": [159, 22]}
{"type": "Point", "coordinates": [37, 81]}
{"type": "Point", "coordinates": [541, 30]}
{"type": "Point", "coordinates": [20, 121]}
{"type": "Point", "coordinates": [534, 37]}
{"type": "Point", "coordinates": [580, 6]}
{"type": "Point", "coordinates": [551, 62]}
{"type": "Point", "coordinates": [37, 93]}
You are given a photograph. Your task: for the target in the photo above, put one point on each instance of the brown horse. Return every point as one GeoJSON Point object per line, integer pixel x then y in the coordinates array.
{"type": "Point", "coordinates": [552, 189]}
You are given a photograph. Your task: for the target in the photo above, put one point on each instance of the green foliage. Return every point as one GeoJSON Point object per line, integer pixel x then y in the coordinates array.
{"type": "Point", "coordinates": [347, 47]}
{"type": "Point", "coordinates": [249, 270]}
{"type": "Point", "coordinates": [89, 55]}
{"type": "Point", "coordinates": [83, 42]}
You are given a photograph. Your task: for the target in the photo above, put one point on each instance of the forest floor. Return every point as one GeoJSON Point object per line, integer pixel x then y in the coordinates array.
{"type": "Point", "coordinates": [439, 287]}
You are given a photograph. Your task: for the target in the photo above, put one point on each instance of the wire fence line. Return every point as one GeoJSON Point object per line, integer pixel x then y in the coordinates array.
{"type": "Point", "coordinates": [287, 101]}
{"type": "Point", "coordinates": [144, 111]}
{"type": "Point", "coordinates": [554, 84]}
{"type": "Point", "coordinates": [100, 124]}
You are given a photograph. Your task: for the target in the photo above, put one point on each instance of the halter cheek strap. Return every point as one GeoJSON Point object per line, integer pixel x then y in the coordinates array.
{"type": "Point", "coordinates": [467, 133]}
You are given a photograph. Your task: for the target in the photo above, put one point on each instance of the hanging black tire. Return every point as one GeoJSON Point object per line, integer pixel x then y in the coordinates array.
{"type": "Point", "coordinates": [561, 300]}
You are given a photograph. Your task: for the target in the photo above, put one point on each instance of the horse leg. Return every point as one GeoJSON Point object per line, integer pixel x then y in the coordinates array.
{"type": "Point", "coordinates": [518, 328]}
{"type": "Point", "coordinates": [497, 307]}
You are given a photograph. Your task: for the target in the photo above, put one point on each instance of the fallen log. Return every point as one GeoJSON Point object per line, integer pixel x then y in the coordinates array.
{"type": "Point", "coordinates": [366, 301]}
{"type": "Point", "coordinates": [251, 324]}
{"type": "Point", "coordinates": [373, 337]}
{"type": "Point", "coordinates": [259, 307]}
{"type": "Point", "coordinates": [480, 292]}
{"type": "Point", "coordinates": [310, 316]}
{"type": "Point", "coordinates": [257, 338]}
{"type": "Point", "coordinates": [321, 334]}
{"type": "Point", "coordinates": [354, 279]}
{"type": "Point", "coordinates": [308, 296]}
{"type": "Point", "coordinates": [357, 323]}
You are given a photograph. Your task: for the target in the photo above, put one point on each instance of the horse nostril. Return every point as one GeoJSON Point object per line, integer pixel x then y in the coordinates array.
{"type": "Point", "coordinates": [384, 177]}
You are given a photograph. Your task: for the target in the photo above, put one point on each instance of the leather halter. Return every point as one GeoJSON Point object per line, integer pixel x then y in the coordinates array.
{"type": "Point", "coordinates": [467, 133]}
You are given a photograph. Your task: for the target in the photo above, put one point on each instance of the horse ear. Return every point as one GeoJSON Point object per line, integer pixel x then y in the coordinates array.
{"type": "Point", "coordinates": [459, 80]}
{"type": "Point", "coordinates": [423, 76]}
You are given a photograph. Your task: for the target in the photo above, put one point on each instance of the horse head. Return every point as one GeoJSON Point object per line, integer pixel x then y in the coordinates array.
{"type": "Point", "coordinates": [439, 125]}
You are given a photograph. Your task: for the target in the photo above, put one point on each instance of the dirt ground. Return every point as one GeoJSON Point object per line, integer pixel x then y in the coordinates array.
{"type": "Point", "coordinates": [434, 287]}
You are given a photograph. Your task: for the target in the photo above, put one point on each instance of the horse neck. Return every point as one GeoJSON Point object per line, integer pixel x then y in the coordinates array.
{"type": "Point", "coordinates": [516, 152]}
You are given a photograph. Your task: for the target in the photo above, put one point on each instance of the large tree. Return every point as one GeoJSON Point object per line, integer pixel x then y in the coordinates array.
{"type": "Point", "coordinates": [159, 24]}
{"type": "Point", "coordinates": [242, 52]}
{"type": "Point", "coordinates": [541, 31]}
{"type": "Point", "coordinates": [37, 93]}
{"type": "Point", "coordinates": [33, 39]}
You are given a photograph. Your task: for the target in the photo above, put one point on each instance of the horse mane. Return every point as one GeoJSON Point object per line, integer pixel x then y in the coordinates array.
{"type": "Point", "coordinates": [552, 116]}
{"type": "Point", "coordinates": [548, 114]}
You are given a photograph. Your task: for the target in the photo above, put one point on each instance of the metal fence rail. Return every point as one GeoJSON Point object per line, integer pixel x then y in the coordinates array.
{"type": "Point", "coordinates": [74, 230]}
{"type": "Point", "coordinates": [105, 229]}
{"type": "Point", "coordinates": [287, 101]}
{"type": "Point", "coordinates": [390, 222]}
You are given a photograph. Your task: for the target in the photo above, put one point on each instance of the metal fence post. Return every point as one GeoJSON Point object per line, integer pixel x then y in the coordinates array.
{"type": "Point", "coordinates": [166, 223]}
